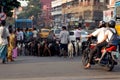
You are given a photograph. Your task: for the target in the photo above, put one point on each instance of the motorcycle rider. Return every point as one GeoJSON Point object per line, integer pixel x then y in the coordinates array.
{"type": "Point", "coordinates": [99, 33]}
{"type": "Point", "coordinates": [109, 32]}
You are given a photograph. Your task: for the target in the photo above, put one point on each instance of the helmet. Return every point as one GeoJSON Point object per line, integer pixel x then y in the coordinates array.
{"type": "Point", "coordinates": [102, 24]}
{"type": "Point", "coordinates": [111, 24]}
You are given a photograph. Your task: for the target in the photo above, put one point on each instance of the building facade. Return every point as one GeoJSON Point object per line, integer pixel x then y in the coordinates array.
{"type": "Point", "coordinates": [56, 12]}
{"type": "Point", "coordinates": [46, 13]}
{"type": "Point", "coordinates": [109, 13]}
{"type": "Point", "coordinates": [85, 12]}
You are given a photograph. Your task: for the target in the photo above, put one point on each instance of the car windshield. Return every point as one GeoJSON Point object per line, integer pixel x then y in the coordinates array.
{"type": "Point", "coordinates": [44, 30]}
{"type": "Point", "coordinates": [84, 33]}
{"type": "Point", "coordinates": [57, 31]}
{"type": "Point", "coordinates": [71, 33]}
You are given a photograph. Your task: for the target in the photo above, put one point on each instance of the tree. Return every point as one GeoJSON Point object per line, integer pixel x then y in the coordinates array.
{"type": "Point", "coordinates": [7, 5]}
{"type": "Point", "coordinates": [32, 11]}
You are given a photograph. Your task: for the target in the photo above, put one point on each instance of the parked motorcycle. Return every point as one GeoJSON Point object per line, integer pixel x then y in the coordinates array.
{"type": "Point", "coordinates": [107, 60]}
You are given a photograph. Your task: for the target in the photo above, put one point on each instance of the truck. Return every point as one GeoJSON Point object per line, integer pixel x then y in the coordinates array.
{"type": "Point", "coordinates": [23, 23]}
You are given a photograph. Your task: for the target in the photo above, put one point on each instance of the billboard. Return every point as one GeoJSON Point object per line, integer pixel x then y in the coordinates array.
{"type": "Point", "coordinates": [65, 1]}
{"type": "Point", "coordinates": [107, 15]}
{"type": "Point", "coordinates": [112, 2]}
{"type": "Point", "coordinates": [117, 9]}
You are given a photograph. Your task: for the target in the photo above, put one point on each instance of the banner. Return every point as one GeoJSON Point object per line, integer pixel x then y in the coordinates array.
{"type": "Point", "coordinates": [107, 15]}
{"type": "Point", "coordinates": [112, 3]}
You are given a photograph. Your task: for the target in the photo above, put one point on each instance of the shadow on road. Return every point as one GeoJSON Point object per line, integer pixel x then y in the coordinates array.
{"type": "Point", "coordinates": [32, 59]}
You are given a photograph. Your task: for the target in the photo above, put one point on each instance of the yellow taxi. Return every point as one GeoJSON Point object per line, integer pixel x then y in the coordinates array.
{"type": "Point", "coordinates": [44, 33]}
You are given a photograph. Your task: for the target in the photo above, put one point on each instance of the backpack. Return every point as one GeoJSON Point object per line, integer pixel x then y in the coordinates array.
{"type": "Point", "coordinates": [114, 40]}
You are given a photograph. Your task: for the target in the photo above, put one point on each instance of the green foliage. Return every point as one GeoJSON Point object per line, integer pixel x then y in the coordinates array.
{"type": "Point", "coordinates": [33, 9]}
{"type": "Point", "coordinates": [9, 5]}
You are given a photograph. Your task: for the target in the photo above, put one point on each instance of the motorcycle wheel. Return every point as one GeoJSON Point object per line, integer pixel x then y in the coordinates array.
{"type": "Point", "coordinates": [110, 64]}
{"type": "Point", "coordinates": [85, 57]}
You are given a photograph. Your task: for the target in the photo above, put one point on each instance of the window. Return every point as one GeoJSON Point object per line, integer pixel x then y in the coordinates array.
{"type": "Point", "coordinates": [81, 2]}
{"type": "Point", "coordinates": [101, 0]}
{"type": "Point", "coordinates": [107, 1]}
{"type": "Point", "coordinates": [96, 2]}
{"type": "Point", "coordinates": [57, 31]}
{"type": "Point", "coordinates": [71, 33]}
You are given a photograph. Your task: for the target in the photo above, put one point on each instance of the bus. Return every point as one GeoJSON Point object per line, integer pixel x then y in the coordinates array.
{"type": "Point", "coordinates": [23, 23]}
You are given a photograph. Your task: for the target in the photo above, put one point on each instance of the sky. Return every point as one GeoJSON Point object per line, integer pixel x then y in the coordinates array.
{"type": "Point", "coordinates": [23, 3]}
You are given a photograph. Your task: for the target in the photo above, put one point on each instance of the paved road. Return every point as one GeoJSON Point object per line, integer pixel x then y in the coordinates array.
{"type": "Point", "coordinates": [54, 68]}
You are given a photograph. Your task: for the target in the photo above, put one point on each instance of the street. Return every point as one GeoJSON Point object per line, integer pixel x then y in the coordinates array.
{"type": "Point", "coordinates": [54, 68]}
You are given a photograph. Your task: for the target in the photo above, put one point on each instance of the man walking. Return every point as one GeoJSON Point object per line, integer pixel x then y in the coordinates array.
{"type": "Point", "coordinates": [4, 33]}
{"type": "Point", "coordinates": [64, 38]}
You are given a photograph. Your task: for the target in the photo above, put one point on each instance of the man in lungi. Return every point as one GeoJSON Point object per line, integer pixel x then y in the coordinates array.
{"type": "Point", "coordinates": [4, 34]}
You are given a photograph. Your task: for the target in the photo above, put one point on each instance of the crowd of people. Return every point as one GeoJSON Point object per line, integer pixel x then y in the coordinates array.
{"type": "Point", "coordinates": [12, 39]}
{"type": "Point", "coordinates": [27, 42]}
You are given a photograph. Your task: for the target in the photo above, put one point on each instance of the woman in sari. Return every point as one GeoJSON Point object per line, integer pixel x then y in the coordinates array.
{"type": "Point", "coordinates": [11, 45]}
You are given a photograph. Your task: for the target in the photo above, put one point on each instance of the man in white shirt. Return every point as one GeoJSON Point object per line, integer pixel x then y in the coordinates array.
{"type": "Point", "coordinates": [4, 34]}
{"type": "Point", "coordinates": [64, 38]}
{"type": "Point", "coordinates": [100, 33]}
{"type": "Point", "coordinates": [20, 36]}
{"type": "Point", "coordinates": [78, 33]}
{"type": "Point", "coordinates": [35, 33]}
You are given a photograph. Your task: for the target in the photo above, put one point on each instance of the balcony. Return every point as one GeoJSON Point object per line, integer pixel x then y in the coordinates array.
{"type": "Point", "coordinates": [56, 13]}
{"type": "Point", "coordinates": [56, 3]}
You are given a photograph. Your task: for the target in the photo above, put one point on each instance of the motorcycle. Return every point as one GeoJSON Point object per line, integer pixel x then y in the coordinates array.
{"type": "Point", "coordinates": [107, 60]}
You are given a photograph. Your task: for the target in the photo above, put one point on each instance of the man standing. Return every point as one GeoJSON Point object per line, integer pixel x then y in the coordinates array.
{"type": "Point", "coordinates": [4, 33]}
{"type": "Point", "coordinates": [78, 34]}
{"type": "Point", "coordinates": [64, 38]}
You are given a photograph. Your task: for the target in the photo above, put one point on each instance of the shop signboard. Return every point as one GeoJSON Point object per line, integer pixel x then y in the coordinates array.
{"type": "Point", "coordinates": [107, 15]}
{"type": "Point", "coordinates": [117, 9]}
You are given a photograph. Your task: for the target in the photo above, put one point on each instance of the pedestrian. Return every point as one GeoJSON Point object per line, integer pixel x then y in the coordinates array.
{"type": "Point", "coordinates": [12, 45]}
{"type": "Point", "coordinates": [64, 39]}
{"type": "Point", "coordinates": [20, 39]}
{"type": "Point", "coordinates": [26, 35]}
{"type": "Point", "coordinates": [77, 42]}
{"type": "Point", "coordinates": [31, 34]}
{"type": "Point", "coordinates": [4, 34]}
{"type": "Point", "coordinates": [20, 36]}
{"type": "Point", "coordinates": [35, 33]}
{"type": "Point", "coordinates": [78, 34]}
{"type": "Point", "coordinates": [51, 37]}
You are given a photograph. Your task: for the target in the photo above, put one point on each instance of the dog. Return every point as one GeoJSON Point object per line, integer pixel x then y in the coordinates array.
{"type": "Point", "coordinates": [70, 50]}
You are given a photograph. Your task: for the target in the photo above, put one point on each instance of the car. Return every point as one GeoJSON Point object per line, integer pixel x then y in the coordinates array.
{"type": "Point", "coordinates": [56, 31]}
{"type": "Point", "coordinates": [44, 32]}
{"type": "Point", "coordinates": [83, 35]}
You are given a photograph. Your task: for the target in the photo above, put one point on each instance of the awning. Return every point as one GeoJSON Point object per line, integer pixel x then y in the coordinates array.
{"type": "Point", "coordinates": [65, 1]}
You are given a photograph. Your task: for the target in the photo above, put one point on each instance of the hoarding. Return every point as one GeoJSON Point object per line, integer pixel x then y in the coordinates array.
{"type": "Point", "coordinates": [65, 1]}
{"type": "Point", "coordinates": [117, 9]}
{"type": "Point", "coordinates": [112, 2]}
{"type": "Point", "coordinates": [107, 15]}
